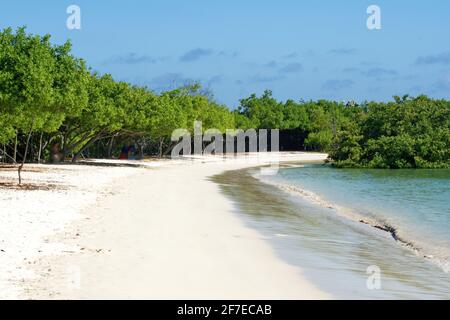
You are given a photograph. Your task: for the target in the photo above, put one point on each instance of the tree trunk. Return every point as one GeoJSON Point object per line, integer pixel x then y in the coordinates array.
{"type": "Point", "coordinates": [40, 147]}
{"type": "Point", "coordinates": [110, 146]}
{"type": "Point", "coordinates": [15, 149]}
{"type": "Point", "coordinates": [19, 171]}
{"type": "Point", "coordinates": [161, 142]}
{"type": "Point", "coordinates": [76, 156]}
{"type": "Point", "coordinates": [6, 155]}
{"type": "Point", "coordinates": [64, 146]}
{"type": "Point", "coordinates": [86, 145]}
{"type": "Point", "coordinates": [169, 148]}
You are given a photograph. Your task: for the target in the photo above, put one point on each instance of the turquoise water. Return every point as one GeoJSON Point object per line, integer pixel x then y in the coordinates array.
{"type": "Point", "coordinates": [312, 216]}
{"type": "Point", "coordinates": [416, 203]}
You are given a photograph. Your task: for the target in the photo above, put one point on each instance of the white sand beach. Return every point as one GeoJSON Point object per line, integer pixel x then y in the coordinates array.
{"type": "Point", "coordinates": [163, 231]}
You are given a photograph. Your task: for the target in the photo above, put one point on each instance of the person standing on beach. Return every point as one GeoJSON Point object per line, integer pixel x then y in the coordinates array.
{"type": "Point", "coordinates": [124, 153]}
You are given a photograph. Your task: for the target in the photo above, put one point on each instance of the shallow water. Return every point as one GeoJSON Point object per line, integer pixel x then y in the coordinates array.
{"type": "Point", "coordinates": [318, 228]}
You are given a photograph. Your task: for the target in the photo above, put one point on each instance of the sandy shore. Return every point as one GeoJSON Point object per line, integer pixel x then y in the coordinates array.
{"type": "Point", "coordinates": [163, 232]}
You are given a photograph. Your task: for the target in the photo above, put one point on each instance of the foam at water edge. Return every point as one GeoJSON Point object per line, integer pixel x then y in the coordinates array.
{"type": "Point", "coordinates": [442, 262]}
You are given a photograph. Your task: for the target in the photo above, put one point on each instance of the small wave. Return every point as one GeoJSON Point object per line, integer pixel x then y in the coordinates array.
{"type": "Point", "coordinates": [442, 262]}
{"type": "Point", "coordinates": [281, 235]}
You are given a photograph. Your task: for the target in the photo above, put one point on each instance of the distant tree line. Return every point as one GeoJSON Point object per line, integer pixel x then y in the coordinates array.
{"type": "Point", "coordinates": [405, 133]}
{"type": "Point", "coordinates": [52, 103]}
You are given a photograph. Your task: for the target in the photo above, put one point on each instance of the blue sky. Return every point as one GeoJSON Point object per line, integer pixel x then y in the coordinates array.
{"type": "Point", "coordinates": [298, 49]}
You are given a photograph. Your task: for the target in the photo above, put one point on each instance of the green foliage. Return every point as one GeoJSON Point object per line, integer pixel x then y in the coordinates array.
{"type": "Point", "coordinates": [319, 140]}
{"type": "Point", "coordinates": [264, 112]}
{"type": "Point", "coordinates": [321, 120]}
{"type": "Point", "coordinates": [407, 133]}
{"type": "Point", "coordinates": [27, 69]}
{"type": "Point", "coordinates": [48, 96]}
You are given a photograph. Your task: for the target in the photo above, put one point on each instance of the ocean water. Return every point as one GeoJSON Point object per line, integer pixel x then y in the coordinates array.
{"type": "Point", "coordinates": [339, 225]}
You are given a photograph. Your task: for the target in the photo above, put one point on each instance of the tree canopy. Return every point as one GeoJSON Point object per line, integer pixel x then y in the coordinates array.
{"type": "Point", "coordinates": [49, 97]}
